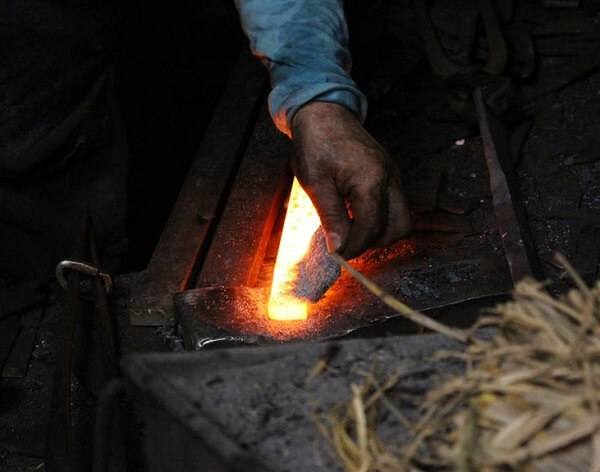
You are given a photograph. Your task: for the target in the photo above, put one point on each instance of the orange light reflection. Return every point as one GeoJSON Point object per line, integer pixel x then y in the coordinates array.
{"type": "Point", "coordinates": [301, 222]}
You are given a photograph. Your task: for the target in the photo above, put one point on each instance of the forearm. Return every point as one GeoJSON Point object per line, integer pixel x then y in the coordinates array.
{"type": "Point", "coordinates": [304, 44]}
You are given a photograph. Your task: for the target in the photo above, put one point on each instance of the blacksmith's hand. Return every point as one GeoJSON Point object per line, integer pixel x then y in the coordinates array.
{"type": "Point", "coordinates": [350, 178]}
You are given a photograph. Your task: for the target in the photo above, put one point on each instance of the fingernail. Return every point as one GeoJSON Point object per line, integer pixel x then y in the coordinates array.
{"type": "Point", "coordinates": [334, 242]}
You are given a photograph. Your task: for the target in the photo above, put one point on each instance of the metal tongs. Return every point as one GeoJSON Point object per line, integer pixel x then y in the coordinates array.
{"type": "Point", "coordinates": [78, 275]}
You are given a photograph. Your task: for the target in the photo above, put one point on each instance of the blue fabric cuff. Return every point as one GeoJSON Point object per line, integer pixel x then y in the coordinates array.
{"type": "Point", "coordinates": [304, 44]}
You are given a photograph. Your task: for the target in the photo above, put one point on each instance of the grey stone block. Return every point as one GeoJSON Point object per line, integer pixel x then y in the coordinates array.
{"type": "Point", "coordinates": [251, 408]}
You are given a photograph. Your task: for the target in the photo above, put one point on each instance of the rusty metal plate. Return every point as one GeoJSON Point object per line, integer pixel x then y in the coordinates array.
{"type": "Point", "coordinates": [238, 314]}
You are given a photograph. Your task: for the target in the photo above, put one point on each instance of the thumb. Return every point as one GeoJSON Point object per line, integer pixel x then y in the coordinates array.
{"type": "Point", "coordinates": [333, 213]}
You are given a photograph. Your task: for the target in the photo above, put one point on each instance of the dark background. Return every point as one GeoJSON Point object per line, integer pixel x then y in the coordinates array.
{"type": "Point", "coordinates": [172, 62]}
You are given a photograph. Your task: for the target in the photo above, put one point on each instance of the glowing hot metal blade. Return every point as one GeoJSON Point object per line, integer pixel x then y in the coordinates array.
{"type": "Point", "coordinates": [301, 222]}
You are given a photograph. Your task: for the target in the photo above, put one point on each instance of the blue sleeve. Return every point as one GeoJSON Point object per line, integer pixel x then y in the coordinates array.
{"type": "Point", "coordinates": [304, 44]}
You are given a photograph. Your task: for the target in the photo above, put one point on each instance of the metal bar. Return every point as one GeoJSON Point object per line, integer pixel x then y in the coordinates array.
{"type": "Point", "coordinates": [511, 215]}
{"type": "Point", "coordinates": [256, 198]}
{"type": "Point", "coordinates": [189, 227]}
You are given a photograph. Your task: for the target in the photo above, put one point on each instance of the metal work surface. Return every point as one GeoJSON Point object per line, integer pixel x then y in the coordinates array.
{"type": "Point", "coordinates": [455, 255]}
{"type": "Point", "coordinates": [253, 409]}
{"type": "Point", "coordinates": [239, 314]}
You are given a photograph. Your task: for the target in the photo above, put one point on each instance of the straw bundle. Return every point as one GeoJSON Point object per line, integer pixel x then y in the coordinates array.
{"type": "Point", "coordinates": [528, 400]}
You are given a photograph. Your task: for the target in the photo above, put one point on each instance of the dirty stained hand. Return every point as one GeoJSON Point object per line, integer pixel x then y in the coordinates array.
{"type": "Point", "coordinates": [350, 178]}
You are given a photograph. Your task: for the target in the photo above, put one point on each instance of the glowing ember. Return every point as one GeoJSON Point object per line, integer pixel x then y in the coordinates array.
{"type": "Point", "coordinates": [301, 221]}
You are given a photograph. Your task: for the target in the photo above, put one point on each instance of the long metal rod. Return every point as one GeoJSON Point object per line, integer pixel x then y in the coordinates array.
{"type": "Point", "coordinates": [511, 215]}
{"type": "Point", "coordinates": [60, 454]}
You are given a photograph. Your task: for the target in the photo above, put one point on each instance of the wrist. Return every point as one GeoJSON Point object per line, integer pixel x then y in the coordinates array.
{"type": "Point", "coordinates": [318, 114]}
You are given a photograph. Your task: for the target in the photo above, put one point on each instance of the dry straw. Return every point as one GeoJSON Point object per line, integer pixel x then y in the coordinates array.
{"type": "Point", "coordinates": [528, 399]}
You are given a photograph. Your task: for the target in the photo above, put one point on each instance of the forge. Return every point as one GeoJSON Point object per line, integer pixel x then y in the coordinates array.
{"type": "Point", "coordinates": [490, 109]}
{"type": "Point", "coordinates": [212, 270]}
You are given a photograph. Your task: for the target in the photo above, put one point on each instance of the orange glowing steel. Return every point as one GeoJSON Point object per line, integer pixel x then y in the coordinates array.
{"type": "Point", "coordinates": [301, 221]}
